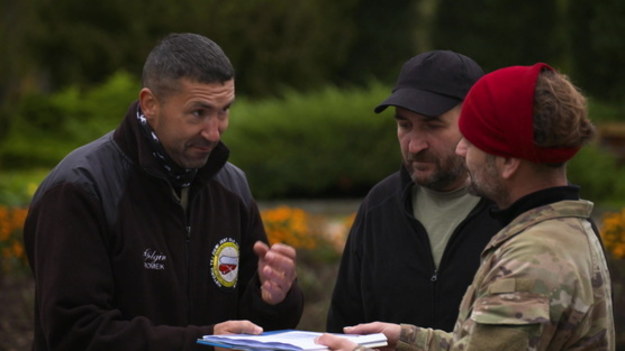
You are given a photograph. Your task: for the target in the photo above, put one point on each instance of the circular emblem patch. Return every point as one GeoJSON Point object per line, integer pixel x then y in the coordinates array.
{"type": "Point", "coordinates": [225, 263]}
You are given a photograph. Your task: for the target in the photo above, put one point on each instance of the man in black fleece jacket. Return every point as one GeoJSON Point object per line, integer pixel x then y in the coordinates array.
{"type": "Point", "coordinates": [416, 241]}
{"type": "Point", "coordinates": [147, 238]}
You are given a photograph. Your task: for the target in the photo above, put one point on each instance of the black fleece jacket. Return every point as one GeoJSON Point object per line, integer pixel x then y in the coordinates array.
{"type": "Point", "coordinates": [119, 265]}
{"type": "Point", "coordinates": [387, 271]}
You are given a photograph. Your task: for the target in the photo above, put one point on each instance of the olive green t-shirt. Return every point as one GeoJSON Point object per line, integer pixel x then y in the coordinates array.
{"type": "Point", "coordinates": [440, 213]}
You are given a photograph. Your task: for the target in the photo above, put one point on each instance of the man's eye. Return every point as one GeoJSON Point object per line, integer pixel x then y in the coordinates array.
{"type": "Point", "coordinates": [433, 126]}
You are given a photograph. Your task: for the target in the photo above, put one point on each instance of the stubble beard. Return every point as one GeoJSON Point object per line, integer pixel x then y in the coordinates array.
{"type": "Point", "coordinates": [187, 160]}
{"type": "Point", "coordinates": [488, 186]}
{"type": "Point", "coordinates": [443, 177]}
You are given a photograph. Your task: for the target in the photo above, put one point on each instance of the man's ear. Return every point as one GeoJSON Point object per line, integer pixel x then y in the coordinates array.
{"type": "Point", "coordinates": [508, 166]}
{"type": "Point", "coordinates": [148, 102]}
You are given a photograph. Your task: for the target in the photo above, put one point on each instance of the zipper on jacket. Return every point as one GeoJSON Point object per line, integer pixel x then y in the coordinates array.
{"type": "Point", "coordinates": [433, 280]}
{"type": "Point", "coordinates": [188, 259]}
{"type": "Point", "coordinates": [434, 277]}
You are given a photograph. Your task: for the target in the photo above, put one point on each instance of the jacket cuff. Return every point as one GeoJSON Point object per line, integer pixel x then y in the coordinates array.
{"type": "Point", "coordinates": [412, 338]}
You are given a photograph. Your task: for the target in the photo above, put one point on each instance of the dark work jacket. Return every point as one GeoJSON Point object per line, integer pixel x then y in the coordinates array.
{"type": "Point", "coordinates": [387, 272]}
{"type": "Point", "coordinates": [119, 265]}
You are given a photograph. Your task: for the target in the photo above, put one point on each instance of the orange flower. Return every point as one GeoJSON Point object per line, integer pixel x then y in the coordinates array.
{"type": "Point", "coordinates": [613, 233]}
{"type": "Point", "coordinates": [5, 229]}
{"type": "Point", "coordinates": [11, 228]}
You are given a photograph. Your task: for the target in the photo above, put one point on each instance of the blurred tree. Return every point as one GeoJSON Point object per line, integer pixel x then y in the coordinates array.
{"type": "Point", "coordinates": [597, 33]}
{"type": "Point", "coordinates": [306, 44]}
{"type": "Point", "coordinates": [84, 42]}
{"type": "Point", "coordinates": [499, 33]}
{"type": "Point", "coordinates": [17, 22]}
{"type": "Point", "coordinates": [385, 36]}
{"type": "Point", "coordinates": [273, 44]}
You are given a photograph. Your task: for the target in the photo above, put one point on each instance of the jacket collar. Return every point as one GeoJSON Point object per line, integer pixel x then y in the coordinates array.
{"type": "Point", "coordinates": [536, 199]}
{"type": "Point", "coordinates": [129, 138]}
{"type": "Point", "coordinates": [560, 209]}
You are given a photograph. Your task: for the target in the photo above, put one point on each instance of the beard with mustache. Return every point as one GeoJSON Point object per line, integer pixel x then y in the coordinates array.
{"type": "Point", "coordinates": [448, 171]}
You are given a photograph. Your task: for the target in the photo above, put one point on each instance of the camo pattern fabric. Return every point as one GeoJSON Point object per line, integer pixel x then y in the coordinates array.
{"type": "Point", "coordinates": [543, 284]}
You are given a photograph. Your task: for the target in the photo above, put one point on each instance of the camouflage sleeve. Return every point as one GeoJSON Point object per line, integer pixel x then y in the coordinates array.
{"type": "Point", "coordinates": [507, 313]}
{"type": "Point", "coordinates": [484, 337]}
{"type": "Point", "coordinates": [414, 338]}
{"type": "Point", "coordinates": [487, 337]}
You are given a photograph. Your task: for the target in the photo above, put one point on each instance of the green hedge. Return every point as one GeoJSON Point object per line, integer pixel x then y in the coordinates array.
{"type": "Point", "coordinates": [47, 127]}
{"type": "Point", "coordinates": [599, 175]}
{"type": "Point", "coordinates": [327, 143]}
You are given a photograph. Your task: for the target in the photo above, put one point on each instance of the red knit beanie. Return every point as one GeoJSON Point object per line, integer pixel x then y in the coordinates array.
{"type": "Point", "coordinates": [497, 115]}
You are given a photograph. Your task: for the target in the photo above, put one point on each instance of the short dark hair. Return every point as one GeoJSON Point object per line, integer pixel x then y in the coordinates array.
{"type": "Point", "coordinates": [185, 55]}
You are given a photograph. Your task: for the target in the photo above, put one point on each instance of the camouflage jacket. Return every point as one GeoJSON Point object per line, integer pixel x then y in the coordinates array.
{"type": "Point", "coordinates": [543, 284]}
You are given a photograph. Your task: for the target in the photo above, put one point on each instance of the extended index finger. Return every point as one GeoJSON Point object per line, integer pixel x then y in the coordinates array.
{"type": "Point", "coordinates": [284, 250]}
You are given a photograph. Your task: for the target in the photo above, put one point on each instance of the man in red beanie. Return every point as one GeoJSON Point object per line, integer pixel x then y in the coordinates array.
{"type": "Point", "coordinates": [543, 283]}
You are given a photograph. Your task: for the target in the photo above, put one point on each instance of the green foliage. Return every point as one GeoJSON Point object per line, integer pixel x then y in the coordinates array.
{"type": "Point", "coordinates": [499, 33]}
{"type": "Point", "coordinates": [18, 22]}
{"type": "Point", "coordinates": [47, 127]}
{"type": "Point", "coordinates": [599, 175]}
{"type": "Point", "coordinates": [18, 186]}
{"type": "Point", "coordinates": [272, 43]}
{"type": "Point", "coordinates": [327, 143]}
{"type": "Point", "coordinates": [598, 47]}
{"type": "Point", "coordinates": [383, 39]}
{"type": "Point", "coordinates": [602, 111]}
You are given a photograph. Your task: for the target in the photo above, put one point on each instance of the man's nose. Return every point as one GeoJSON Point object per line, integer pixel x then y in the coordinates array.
{"type": "Point", "coordinates": [211, 130]}
{"type": "Point", "coordinates": [417, 143]}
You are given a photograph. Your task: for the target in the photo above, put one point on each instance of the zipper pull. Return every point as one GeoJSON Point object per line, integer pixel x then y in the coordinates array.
{"type": "Point", "coordinates": [434, 277]}
{"type": "Point", "coordinates": [188, 232]}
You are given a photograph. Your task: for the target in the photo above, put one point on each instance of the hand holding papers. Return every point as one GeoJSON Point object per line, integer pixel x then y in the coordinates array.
{"type": "Point", "coordinates": [286, 340]}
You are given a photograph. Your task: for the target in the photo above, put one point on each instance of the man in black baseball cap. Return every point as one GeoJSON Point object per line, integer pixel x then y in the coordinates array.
{"type": "Point", "coordinates": [418, 234]}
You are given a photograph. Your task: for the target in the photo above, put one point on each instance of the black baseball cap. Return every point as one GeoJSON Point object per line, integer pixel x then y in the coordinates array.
{"type": "Point", "coordinates": [433, 83]}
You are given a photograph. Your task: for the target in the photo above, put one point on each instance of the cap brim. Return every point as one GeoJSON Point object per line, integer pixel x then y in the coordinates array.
{"type": "Point", "coordinates": [419, 101]}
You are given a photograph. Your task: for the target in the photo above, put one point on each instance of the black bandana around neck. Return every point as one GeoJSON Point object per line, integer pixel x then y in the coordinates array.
{"type": "Point", "coordinates": [178, 176]}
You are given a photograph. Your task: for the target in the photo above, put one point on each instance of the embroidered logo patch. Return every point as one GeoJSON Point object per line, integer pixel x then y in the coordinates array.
{"type": "Point", "coordinates": [225, 263]}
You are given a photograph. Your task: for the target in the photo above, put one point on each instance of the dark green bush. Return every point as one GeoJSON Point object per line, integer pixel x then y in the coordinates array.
{"type": "Point", "coordinates": [599, 175]}
{"type": "Point", "coordinates": [46, 127]}
{"type": "Point", "coordinates": [328, 143]}
{"type": "Point", "coordinates": [323, 144]}
{"type": "Point", "coordinates": [18, 187]}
